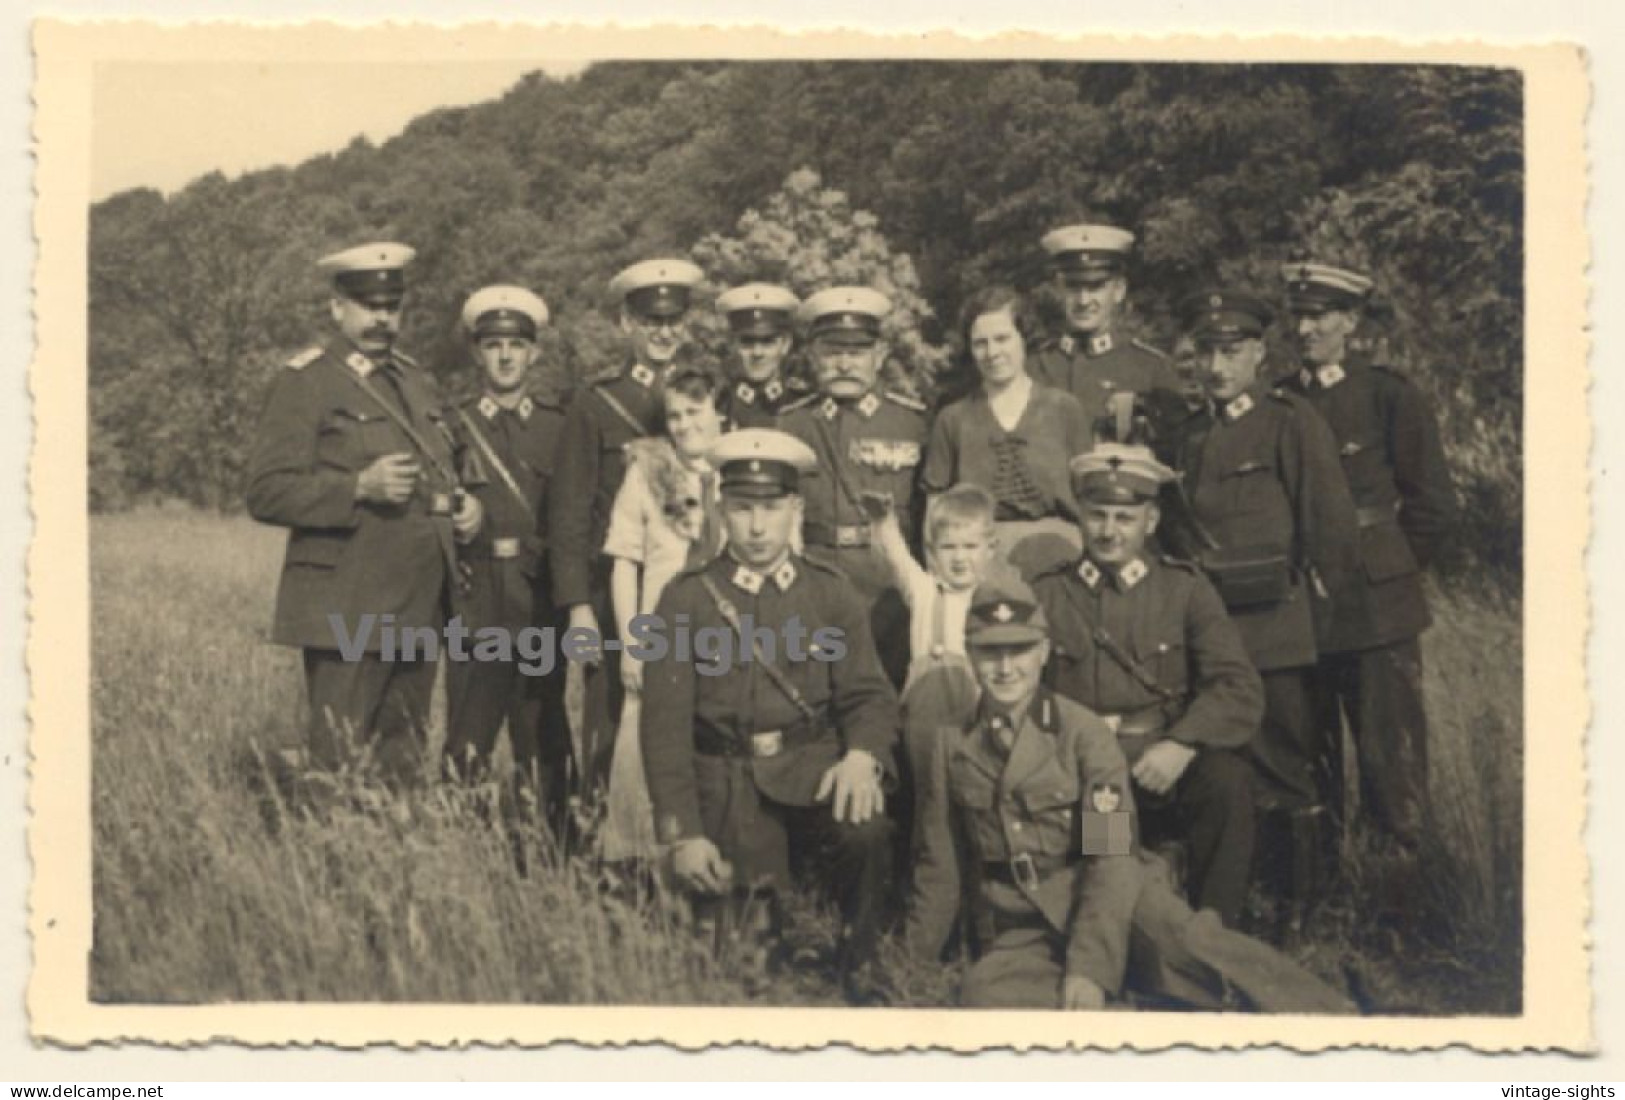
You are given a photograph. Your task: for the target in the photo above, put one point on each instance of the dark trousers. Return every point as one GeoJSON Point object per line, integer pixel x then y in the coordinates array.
{"type": "Point", "coordinates": [1211, 810]}
{"type": "Point", "coordinates": [370, 704]}
{"type": "Point", "coordinates": [770, 844]}
{"type": "Point", "coordinates": [1379, 693]}
{"type": "Point", "coordinates": [602, 699]}
{"type": "Point", "coordinates": [1176, 955]}
{"type": "Point", "coordinates": [481, 696]}
{"type": "Point", "coordinates": [853, 861]}
{"type": "Point", "coordinates": [1290, 753]}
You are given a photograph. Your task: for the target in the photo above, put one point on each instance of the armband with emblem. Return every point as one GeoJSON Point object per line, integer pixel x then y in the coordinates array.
{"type": "Point", "coordinates": [1107, 830]}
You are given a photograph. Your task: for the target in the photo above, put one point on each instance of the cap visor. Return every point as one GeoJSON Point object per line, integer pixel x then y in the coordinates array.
{"type": "Point", "coordinates": [1005, 634]}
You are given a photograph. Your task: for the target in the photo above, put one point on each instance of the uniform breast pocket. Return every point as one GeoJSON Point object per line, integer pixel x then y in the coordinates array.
{"type": "Point", "coordinates": [352, 438]}
{"type": "Point", "coordinates": [1167, 661]}
{"type": "Point", "coordinates": [1049, 801]}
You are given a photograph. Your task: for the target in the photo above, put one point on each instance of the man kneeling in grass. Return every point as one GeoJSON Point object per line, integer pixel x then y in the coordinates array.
{"type": "Point", "coordinates": [1029, 835]}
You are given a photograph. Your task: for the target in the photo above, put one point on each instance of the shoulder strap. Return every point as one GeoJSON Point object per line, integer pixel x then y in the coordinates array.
{"type": "Point", "coordinates": [620, 410]}
{"type": "Point", "coordinates": [489, 453]}
{"type": "Point", "coordinates": [730, 615]}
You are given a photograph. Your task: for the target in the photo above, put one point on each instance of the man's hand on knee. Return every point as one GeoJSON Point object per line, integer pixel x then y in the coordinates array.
{"type": "Point", "coordinates": [700, 867]}
{"type": "Point", "coordinates": [855, 783]}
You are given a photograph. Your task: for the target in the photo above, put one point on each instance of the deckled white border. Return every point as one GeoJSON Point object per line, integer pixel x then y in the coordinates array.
{"type": "Point", "coordinates": [1555, 161]}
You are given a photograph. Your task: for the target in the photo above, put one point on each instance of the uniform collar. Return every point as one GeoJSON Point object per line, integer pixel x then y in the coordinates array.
{"type": "Point", "coordinates": [866, 406]}
{"type": "Point", "coordinates": [1237, 407]}
{"type": "Point", "coordinates": [359, 362]}
{"type": "Point", "coordinates": [489, 407]}
{"type": "Point", "coordinates": [1131, 574]}
{"type": "Point", "coordinates": [748, 392]}
{"type": "Point", "coordinates": [750, 580]}
{"type": "Point", "coordinates": [1093, 345]}
{"type": "Point", "coordinates": [1329, 375]}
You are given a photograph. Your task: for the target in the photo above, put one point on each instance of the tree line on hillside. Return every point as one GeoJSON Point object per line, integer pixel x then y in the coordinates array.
{"type": "Point", "coordinates": [926, 179]}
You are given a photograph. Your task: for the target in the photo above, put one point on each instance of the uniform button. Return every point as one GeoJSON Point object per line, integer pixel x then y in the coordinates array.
{"type": "Point", "coordinates": [1015, 827]}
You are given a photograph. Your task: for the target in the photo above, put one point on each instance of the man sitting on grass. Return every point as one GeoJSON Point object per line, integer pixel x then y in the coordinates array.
{"type": "Point", "coordinates": [1030, 806]}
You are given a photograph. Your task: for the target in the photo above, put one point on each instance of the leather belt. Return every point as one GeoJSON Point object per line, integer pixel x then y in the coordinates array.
{"type": "Point", "coordinates": [711, 741]}
{"type": "Point", "coordinates": [1025, 870]}
{"type": "Point", "coordinates": [842, 536]}
{"type": "Point", "coordinates": [1374, 517]}
{"type": "Point", "coordinates": [503, 549]}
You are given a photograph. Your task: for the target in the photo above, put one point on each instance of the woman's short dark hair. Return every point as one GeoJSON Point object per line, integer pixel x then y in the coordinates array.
{"type": "Point", "coordinates": [694, 382]}
{"type": "Point", "coordinates": [996, 299]}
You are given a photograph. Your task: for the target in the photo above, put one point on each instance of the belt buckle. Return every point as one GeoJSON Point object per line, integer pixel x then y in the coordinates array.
{"type": "Point", "coordinates": [440, 504]}
{"type": "Point", "coordinates": [1024, 871]}
{"type": "Point", "coordinates": [767, 743]}
{"type": "Point", "coordinates": [848, 536]}
{"type": "Point", "coordinates": [1114, 722]}
{"type": "Point", "coordinates": [505, 548]}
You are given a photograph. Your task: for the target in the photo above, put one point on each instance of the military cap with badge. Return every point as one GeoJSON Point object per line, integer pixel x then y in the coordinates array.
{"type": "Point", "coordinates": [1085, 255]}
{"type": "Point", "coordinates": [504, 311]}
{"type": "Point", "coordinates": [373, 274]}
{"type": "Point", "coordinates": [658, 289]}
{"type": "Point", "coordinates": [761, 462]}
{"type": "Point", "coordinates": [849, 315]}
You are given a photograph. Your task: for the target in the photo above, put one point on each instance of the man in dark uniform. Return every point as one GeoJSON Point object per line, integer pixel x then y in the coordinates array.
{"type": "Point", "coordinates": [354, 454]}
{"type": "Point", "coordinates": [760, 318]}
{"type": "Point", "coordinates": [781, 755]}
{"type": "Point", "coordinates": [1371, 656]}
{"type": "Point", "coordinates": [1144, 641]}
{"type": "Point", "coordinates": [1095, 358]}
{"type": "Point", "coordinates": [868, 440]}
{"type": "Point", "coordinates": [1029, 836]}
{"type": "Point", "coordinates": [610, 410]}
{"type": "Point", "coordinates": [1267, 495]}
{"type": "Point", "coordinates": [509, 437]}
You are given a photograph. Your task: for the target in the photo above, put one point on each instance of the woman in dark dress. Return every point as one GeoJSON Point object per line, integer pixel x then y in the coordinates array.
{"type": "Point", "coordinates": [1011, 435]}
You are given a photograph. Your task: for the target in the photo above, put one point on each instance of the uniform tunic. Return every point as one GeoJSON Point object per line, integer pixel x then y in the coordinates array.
{"type": "Point", "coordinates": [1004, 847]}
{"type": "Point", "coordinates": [731, 757]}
{"type": "Point", "coordinates": [506, 570]}
{"type": "Point", "coordinates": [1093, 367]}
{"type": "Point", "coordinates": [1395, 467]}
{"type": "Point", "coordinates": [1191, 682]}
{"type": "Point", "coordinates": [858, 707]}
{"type": "Point", "coordinates": [1265, 484]}
{"type": "Point", "coordinates": [326, 419]}
{"type": "Point", "coordinates": [750, 404]}
{"type": "Point", "coordinates": [871, 444]}
{"type": "Point", "coordinates": [1372, 670]}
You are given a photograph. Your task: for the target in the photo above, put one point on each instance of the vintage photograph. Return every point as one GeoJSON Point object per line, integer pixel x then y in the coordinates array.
{"type": "Point", "coordinates": [760, 532]}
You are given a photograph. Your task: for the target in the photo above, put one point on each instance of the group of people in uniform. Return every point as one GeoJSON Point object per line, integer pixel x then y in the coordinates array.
{"type": "Point", "coordinates": [1085, 638]}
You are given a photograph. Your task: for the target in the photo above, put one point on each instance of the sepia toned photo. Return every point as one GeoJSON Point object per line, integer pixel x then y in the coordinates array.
{"type": "Point", "coordinates": [570, 539]}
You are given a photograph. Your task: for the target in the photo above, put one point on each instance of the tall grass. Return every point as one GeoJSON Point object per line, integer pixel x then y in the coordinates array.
{"type": "Point", "coordinates": [207, 887]}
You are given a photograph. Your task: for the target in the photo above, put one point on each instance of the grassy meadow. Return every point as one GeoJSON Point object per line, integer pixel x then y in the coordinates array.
{"type": "Point", "coordinates": [207, 889]}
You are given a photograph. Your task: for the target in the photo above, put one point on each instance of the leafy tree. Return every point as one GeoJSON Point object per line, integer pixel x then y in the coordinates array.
{"type": "Point", "coordinates": [807, 237]}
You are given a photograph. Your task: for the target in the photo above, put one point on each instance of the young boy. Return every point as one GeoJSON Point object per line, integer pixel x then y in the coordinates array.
{"type": "Point", "coordinates": [940, 689]}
